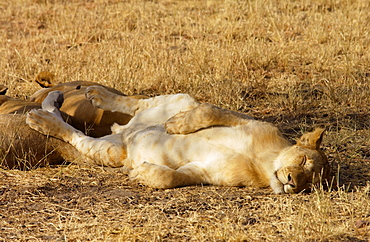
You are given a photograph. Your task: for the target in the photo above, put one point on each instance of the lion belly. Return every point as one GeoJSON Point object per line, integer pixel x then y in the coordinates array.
{"type": "Point", "coordinates": [155, 146]}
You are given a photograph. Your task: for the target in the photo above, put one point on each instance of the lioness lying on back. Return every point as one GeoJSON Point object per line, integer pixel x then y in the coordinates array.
{"type": "Point", "coordinates": [174, 141]}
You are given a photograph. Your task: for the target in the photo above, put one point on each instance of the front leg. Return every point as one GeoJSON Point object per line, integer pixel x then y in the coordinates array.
{"type": "Point", "coordinates": [108, 101]}
{"type": "Point", "coordinates": [204, 116]}
{"type": "Point", "coordinates": [108, 150]}
{"type": "Point", "coordinates": [158, 176]}
{"type": "Point", "coordinates": [276, 185]}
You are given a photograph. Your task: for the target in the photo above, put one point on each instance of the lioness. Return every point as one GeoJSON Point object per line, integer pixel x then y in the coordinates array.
{"type": "Point", "coordinates": [91, 120]}
{"type": "Point", "coordinates": [175, 141]}
{"type": "Point", "coordinates": [24, 148]}
{"type": "Point", "coordinates": [81, 114]}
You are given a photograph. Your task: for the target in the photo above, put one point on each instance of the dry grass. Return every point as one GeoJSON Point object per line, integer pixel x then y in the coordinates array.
{"type": "Point", "coordinates": [295, 63]}
{"type": "Point", "coordinates": [84, 203]}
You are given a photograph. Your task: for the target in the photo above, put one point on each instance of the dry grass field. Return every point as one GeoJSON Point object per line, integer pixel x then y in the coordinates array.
{"type": "Point", "coordinates": [298, 64]}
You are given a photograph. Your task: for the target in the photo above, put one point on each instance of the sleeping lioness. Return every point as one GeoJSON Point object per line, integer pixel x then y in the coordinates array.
{"type": "Point", "coordinates": [22, 147]}
{"type": "Point", "coordinates": [82, 114]}
{"type": "Point", "coordinates": [174, 141]}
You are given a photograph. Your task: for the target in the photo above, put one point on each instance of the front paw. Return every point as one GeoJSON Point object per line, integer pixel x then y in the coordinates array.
{"type": "Point", "coordinates": [153, 175]}
{"type": "Point", "coordinates": [98, 96]}
{"type": "Point", "coordinates": [178, 124]}
{"type": "Point", "coordinates": [276, 185]}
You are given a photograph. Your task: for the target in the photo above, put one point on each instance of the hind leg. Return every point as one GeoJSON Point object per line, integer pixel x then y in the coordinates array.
{"type": "Point", "coordinates": [108, 150]}
{"type": "Point", "coordinates": [204, 116]}
{"type": "Point", "coordinates": [106, 100]}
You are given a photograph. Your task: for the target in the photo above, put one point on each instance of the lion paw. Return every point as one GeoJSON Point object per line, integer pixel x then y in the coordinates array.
{"type": "Point", "coordinates": [153, 175]}
{"type": "Point", "coordinates": [53, 102]}
{"type": "Point", "coordinates": [179, 124]}
{"type": "Point", "coordinates": [99, 97]}
{"type": "Point", "coordinates": [46, 123]}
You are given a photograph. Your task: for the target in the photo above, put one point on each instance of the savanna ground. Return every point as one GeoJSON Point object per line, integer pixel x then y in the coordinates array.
{"type": "Point", "coordinates": [297, 64]}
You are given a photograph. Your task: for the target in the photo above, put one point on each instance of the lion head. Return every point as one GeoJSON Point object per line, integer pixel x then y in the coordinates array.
{"type": "Point", "coordinates": [303, 164]}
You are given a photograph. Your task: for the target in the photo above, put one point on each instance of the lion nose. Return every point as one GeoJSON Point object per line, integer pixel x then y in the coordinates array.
{"type": "Point", "coordinates": [290, 180]}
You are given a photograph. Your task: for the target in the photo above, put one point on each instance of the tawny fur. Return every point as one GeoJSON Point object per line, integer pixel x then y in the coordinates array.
{"type": "Point", "coordinates": [22, 147]}
{"type": "Point", "coordinates": [220, 147]}
{"type": "Point", "coordinates": [83, 115]}
{"type": "Point", "coordinates": [10, 105]}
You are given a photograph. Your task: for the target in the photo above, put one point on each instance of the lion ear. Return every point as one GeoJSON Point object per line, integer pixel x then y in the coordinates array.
{"type": "Point", "coordinates": [304, 159]}
{"type": "Point", "coordinates": [312, 139]}
{"type": "Point", "coordinates": [45, 79]}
